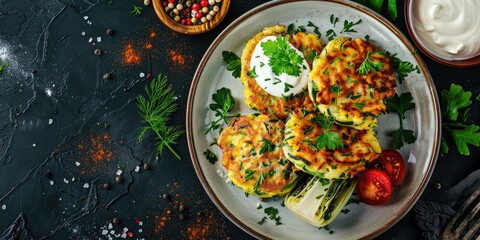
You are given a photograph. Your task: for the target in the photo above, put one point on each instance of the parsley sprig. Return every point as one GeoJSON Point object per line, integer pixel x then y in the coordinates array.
{"type": "Point", "coordinates": [272, 214]}
{"type": "Point", "coordinates": [401, 104]}
{"type": "Point", "coordinates": [282, 57]}
{"type": "Point", "coordinates": [455, 101]}
{"type": "Point", "coordinates": [136, 11]}
{"type": "Point", "coordinates": [155, 110]}
{"type": "Point", "coordinates": [328, 139]}
{"type": "Point", "coordinates": [211, 156]}
{"type": "Point", "coordinates": [234, 63]}
{"type": "Point", "coordinates": [223, 103]}
{"type": "Point", "coordinates": [369, 65]}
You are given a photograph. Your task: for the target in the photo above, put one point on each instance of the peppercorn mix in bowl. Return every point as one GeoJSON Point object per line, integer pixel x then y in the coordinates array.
{"type": "Point", "coordinates": [191, 17]}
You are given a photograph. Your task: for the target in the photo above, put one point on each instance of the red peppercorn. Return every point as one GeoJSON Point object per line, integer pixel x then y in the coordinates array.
{"type": "Point", "coordinates": [184, 21]}
{"type": "Point", "coordinates": [198, 15]}
{"type": "Point", "coordinates": [171, 1]}
{"type": "Point", "coordinates": [204, 3]}
{"type": "Point", "coordinates": [195, 6]}
{"type": "Point", "coordinates": [189, 21]}
{"type": "Point", "coordinates": [165, 3]}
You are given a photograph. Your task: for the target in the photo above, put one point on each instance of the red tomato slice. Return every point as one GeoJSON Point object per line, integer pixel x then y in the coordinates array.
{"type": "Point", "coordinates": [392, 162]}
{"type": "Point", "coordinates": [374, 187]}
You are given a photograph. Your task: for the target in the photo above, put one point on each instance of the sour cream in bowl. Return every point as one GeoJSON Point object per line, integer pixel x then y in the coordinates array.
{"type": "Point", "coordinates": [448, 31]}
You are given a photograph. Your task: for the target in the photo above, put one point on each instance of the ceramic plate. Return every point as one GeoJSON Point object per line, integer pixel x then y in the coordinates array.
{"type": "Point", "coordinates": [363, 221]}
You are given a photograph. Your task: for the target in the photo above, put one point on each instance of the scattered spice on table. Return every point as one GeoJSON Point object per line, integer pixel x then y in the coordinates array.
{"type": "Point", "coordinates": [95, 152]}
{"type": "Point", "coordinates": [130, 56]}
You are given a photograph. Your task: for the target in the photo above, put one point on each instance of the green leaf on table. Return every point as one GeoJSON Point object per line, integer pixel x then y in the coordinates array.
{"type": "Point", "coordinates": [478, 97]}
{"type": "Point", "coordinates": [454, 100]}
{"type": "Point", "coordinates": [443, 147]}
{"type": "Point", "coordinates": [234, 64]}
{"type": "Point", "coordinates": [463, 137]}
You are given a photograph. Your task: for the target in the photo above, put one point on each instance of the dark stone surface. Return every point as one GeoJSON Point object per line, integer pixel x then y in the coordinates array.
{"type": "Point", "coordinates": [56, 108]}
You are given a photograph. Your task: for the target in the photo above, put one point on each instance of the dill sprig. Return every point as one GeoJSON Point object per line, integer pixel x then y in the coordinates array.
{"type": "Point", "coordinates": [155, 110]}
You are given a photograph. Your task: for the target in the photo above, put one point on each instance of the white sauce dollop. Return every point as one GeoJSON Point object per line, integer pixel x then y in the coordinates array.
{"type": "Point", "coordinates": [273, 84]}
{"type": "Point", "coordinates": [450, 28]}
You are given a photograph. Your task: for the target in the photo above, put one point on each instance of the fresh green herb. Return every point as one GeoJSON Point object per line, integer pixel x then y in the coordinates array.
{"type": "Point", "coordinates": [223, 104]}
{"type": "Point", "coordinates": [345, 210]}
{"type": "Point", "coordinates": [312, 55]}
{"type": "Point", "coordinates": [331, 34]}
{"type": "Point", "coordinates": [403, 68]}
{"type": "Point", "coordinates": [136, 10]}
{"type": "Point", "coordinates": [156, 113]}
{"type": "Point", "coordinates": [234, 64]}
{"type": "Point", "coordinates": [262, 221]}
{"type": "Point", "coordinates": [333, 20]}
{"type": "Point", "coordinates": [283, 58]}
{"type": "Point", "coordinates": [259, 206]}
{"type": "Point", "coordinates": [359, 105]}
{"type": "Point", "coordinates": [287, 87]}
{"type": "Point", "coordinates": [478, 97]}
{"type": "Point", "coordinates": [211, 157]}
{"type": "Point", "coordinates": [292, 30]}
{"type": "Point", "coordinates": [4, 64]}
{"type": "Point", "coordinates": [401, 104]}
{"type": "Point", "coordinates": [455, 100]}
{"type": "Point", "coordinates": [348, 26]}
{"type": "Point", "coordinates": [249, 174]}
{"type": "Point", "coordinates": [334, 166]}
{"type": "Point", "coordinates": [392, 9]}
{"type": "Point", "coordinates": [335, 89]}
{"type": "Point", "coordinates": [367, 38]}
{"type": "Point", "coordinates": [369, 65]}
{"type": "Point", "coordinates": [316, 29]}
{"type": "Point", "coordinates": [330, 140]}
{"type": "Point", "coordinates": [272, 214]}
{"type": "Point", "coordinates": [260, 181]}
{"type": "Point", "coordinates": [252, 73]}
{"type": "Point", "coordinates": [267, 146]}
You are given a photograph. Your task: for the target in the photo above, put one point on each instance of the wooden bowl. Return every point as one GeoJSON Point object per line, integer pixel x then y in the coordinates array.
{"type": "Point", "coordinates": [410, 21]}
{"type": "Point", "coordinates": [191, 29]}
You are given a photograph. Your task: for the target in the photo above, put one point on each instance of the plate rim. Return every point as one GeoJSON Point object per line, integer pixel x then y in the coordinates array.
{"type": "Point", "coordinates": [193, 87]}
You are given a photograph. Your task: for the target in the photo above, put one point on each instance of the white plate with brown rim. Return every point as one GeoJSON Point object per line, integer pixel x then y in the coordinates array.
{"type": "Point", "coordinates": [363, 221]}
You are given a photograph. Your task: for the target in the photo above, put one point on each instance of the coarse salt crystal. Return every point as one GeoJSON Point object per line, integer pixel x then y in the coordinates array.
{"type": "Point", "coordinates": [119, 172]}
{"type": "Point", "coordinates": [65, 181]}
{"type": "Point", "coordinates": [90, 39]}
{"type": "Point", "coordinates": [4, 207]}
{"type": "Point", "coordinates": [77, 163]}
{"type": "Point", "coordinates": [83, 33]}
{"type": "Point", "coordinates": [112, 232]}
{"type": "Point", "coordinates": [89, 23]}
{"type": "Point", "coordinates": [73, 179]}
{"type": "Point", "coordinates": [142, 74]}
{"type": "Point", "coordinates": [140, 223]}
{"type": "Point", "coordinates": [86, 185]}
{"type": "Point", "coordinates": [125, 229]}
{"type": "Point", "coordinates": [140, 230]}
{"type": "Point", "coordinates": [50, 121]}
{"type": "Point", "coordinates": [104, 232]}
{"type": "Point", "coordinates": [34, 145]}
{"type": "Point", "coordinates": [137, 168]}
{"type": "Point", "coordinates": [124, 235]}
{"type": "Point", "coordinates": [51, 182]}
{"type": "Point", "coordinates": [99, 39]}
{"type": "Point", "coordinates": [85, 17]}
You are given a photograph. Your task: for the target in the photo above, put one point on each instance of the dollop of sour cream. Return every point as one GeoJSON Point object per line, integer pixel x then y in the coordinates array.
{"type": "Point", "coordinates": [450, 28]}
{"type": "Point", "coordinates": [277, 85]}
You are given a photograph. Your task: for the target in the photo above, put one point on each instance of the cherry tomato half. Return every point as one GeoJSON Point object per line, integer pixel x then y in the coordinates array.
{"type": "Point", "coordinates": [392, 162]}
{"type": "Point", "coordinates": [374, 187]}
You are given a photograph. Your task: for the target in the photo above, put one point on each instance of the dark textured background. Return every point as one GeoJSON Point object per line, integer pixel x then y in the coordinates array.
{"type": "Point", "coordinates": [53, 102]}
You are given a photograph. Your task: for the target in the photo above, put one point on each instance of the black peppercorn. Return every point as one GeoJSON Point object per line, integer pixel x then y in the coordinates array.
{"type": "Point", "coordinates": [118, 179]}
{"type": "Point", "coordinates": [116, 221]}
{"type": "Point", "coordinates": [106, 186]}
{"type": "Point", "coordinates": [165, 196]}
{"type": "Point", "coordinates": [146, 166]}
{"type": "Point", "coordinates": [181, 216]}
{"type": "Point", "coordinates": [109, 32]}
{"type": "Point", "coordinates": [181, 208]}
{"type": "Point", "coordinates": [437, 186]}
{"type": "Point", "coordinates": [107, 76]}
{"type": "Point", "coordinates": [97, 52]}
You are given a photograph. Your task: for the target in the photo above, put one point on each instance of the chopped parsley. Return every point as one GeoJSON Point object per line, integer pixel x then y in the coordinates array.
{"type": "Point", "coordinates": [267, 146]}
{"type": "Point", "coordinates": [369, 65]}
{"type": "Point", "coordinates": [401, 104]}
{"type": "Point", "coordinates": [211, 157]}
{"type": "Point", "coordinates": [252, 73]}
{"type": "Point", "coordinates": [347, 26]}
{"type": "Point", "coordinates": [249, 174]}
